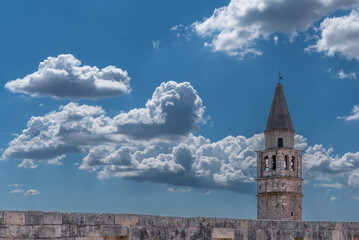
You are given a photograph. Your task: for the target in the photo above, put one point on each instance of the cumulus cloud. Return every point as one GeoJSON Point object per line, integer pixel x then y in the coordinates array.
{"type": "Point", "coordinates": [69, 130]}
{"type": "Point", "coordinates": [192, 161]}
{"type": "Point", "coordinates": [353, 180]}
{"type": "Point", "coordinates": [16, 191]}
{"type": "Point", "coordinates": [236, 28]}
{"type": "Point", "coordinates": [174, 109]}
{"type": "Point", "coordinates": [354, 114]}
{"type": "Point", "coordinates": [31, 192]}
{"type": "Point", "coordinates": [27, 163]}
{"type": "Point", "coordinates": [321, 163]}
{"type": "Point", "coordinates": [343, 75]}
{"type": "Point", "coordinates": [64, 77]}
{"type": "Point", "coordinates": [339, 35]}
{"type": "Point", "coordinates": [317, 158]}
{"type": "Point", "coordinates": [156, 143]}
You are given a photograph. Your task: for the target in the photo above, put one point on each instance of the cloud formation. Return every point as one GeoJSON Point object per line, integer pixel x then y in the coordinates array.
{"type": "Point", "coordinates": [27, 163]}
{"type": "Point", "coordinates": [321, 163]}
{"type": "Point", "coordinates": [156, 143]}
{"type": "Point", "coordinates": [354, 114]}
{"type": "Point", "coordinates": [31, 192]}
{"type": "Point", "coordinates": [16, 191]}
{"type": "Point", "coordinates": [339, 35]}
{"type": "Point", "coordinates": [343, 75]}
{"type": "Point", "coordinates": [191, 161]}
{"type": "Point", "coordinates": [236, 28]}
{"type": "Point", "coordinates": [64, 77]}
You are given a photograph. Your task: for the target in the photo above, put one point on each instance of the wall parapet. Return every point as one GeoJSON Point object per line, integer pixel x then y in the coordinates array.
{"type": "Point", "coordinates": [31, 225]}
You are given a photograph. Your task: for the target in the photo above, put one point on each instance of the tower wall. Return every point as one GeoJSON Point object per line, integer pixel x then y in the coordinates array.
{"type": "Point", "coordinates": [271, 138]}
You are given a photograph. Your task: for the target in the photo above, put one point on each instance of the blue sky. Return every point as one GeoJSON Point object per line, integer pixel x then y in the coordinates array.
{"type": "Point", "coordinates": [157, 107]}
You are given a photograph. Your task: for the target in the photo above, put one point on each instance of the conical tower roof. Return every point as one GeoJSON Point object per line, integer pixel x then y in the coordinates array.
{"type": "Point", "coordinates": [279, 117]}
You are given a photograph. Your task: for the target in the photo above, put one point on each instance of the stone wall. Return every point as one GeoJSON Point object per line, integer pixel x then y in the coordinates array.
{"type": "Point", "coordinates": [88, 226]}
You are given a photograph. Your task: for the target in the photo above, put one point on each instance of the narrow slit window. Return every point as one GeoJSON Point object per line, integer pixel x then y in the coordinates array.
{"type": "Point", "coordinates": [292, 164]}
{"type": "Point", "coordinates": [266, 163]}
{"type": "Point", "coordinates": [274, 162]}
{"type": "Point", "coordinates": [280, 142]}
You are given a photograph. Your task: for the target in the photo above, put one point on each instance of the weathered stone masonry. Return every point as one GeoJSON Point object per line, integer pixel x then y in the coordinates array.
{"type": "Point", "coordinates": [87, 226]}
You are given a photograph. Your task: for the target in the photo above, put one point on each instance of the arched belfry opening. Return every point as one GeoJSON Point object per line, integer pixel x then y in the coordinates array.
{"type": "Point", "coordinates": [279, 173]}
{"type": "Point", "coordinates": [274, 162]}
{"type": "Point", "coordinates": [286, 162]}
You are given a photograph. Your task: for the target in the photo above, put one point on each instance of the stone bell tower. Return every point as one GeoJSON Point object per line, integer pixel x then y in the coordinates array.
{"type": "Point", "coordinates": [279, 166]}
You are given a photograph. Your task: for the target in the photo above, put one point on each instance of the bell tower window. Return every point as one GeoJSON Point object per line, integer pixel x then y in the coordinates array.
{"type": "Point", "coordinates": [280, 142]}
{"type": "Point", "coordinates": [292, 164]}
{"type": "Point", "coordinates": [286, 162]}
{"type": "Point", "coordinates": [274, 162]}
{"type": "Point", "coordinates": [266, 163]}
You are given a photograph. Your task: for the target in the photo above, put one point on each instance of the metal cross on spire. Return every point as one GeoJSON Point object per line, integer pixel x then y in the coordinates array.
{"type": "Point", "coordinates": [280, 77]}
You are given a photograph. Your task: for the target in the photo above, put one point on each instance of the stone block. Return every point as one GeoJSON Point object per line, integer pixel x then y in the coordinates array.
{"type": "Point", "coordinates": [113, 230]}
{"type": "Point", "coordinates": [126, 220]}
{"type": "Point", "coordinates": [89, 231]}
{"type": "Point", "coordinates": [139, 233]}
{"type": "Point", "coordinates": [199, 233]}
{"type": "Point", "coordinates": [41, 218]}
{"type": "Point", "coordinates": [4, 231]}
{"type": "Point", "coordinates": [90, 238]}
{"type": "Point", "coordinates": [16, 231]}
{"type": "Point", "coordinates": [1, 217]}
{"type": "Point", "coordinates": [14, 218]}
{"type": "Point", "coordinates": [88, 219]}
{"type": "Point", "coordinates": [223, 233]}
{"type": "Point", "coordinates": [49, 231]}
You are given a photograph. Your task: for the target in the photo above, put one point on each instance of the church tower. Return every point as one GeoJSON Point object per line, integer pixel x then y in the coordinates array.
{"type": "Point", "coordinates": [279, 166]}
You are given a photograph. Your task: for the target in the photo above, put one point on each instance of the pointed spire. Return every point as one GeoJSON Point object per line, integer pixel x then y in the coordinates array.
{"type": "Point", "coordinates": [279, 117]}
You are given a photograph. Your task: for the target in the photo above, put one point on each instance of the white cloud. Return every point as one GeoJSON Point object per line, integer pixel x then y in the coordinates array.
{"type": "Point", "coordinates": [236, 28]}
{"type": "Point", "coordinates": [179, 190]}
{"type": "Point", "coordinates": [321, 163]}
{"type": "Point", "coordinates": [342, 75]}
{"type": "Point", "coordinates": [69, 130]}
{"type": "Point", "coordinates": [31, 192]}
{"type": "Point", "coordinates": [332, 198]}
{"type": "Point", "coordinates": [207, 192]}
{"type": "Point", "coordinates": [354, 114]}
{"type": "Point", "coordinates": [156, 44]}
{"type": "Point", "coordinates": [191, 161]}
{"type": "Point", "coordinates": [56, 161]}
{"type": "Point", "coordinates": [353, 180]}
{"type": "Point", "coordinates": [16, 191]}
{"type": "Point", "coordinates": [174, 110]}
{"type": "Point", "coordinates": [64, 77]}
{"type": "Point", "coordinates": [156, 143]}
{"type": "Point", "coordinates": [319, 159]}
{"type": "Point", "coordinates": [275, 39]}
{"type": "Point", "coordinates": [329, 185]}
{"type": "Point", "coordinates": [27, 163]}
{"type": "Point", "coordinates": [339, 35]}
{"type": "Point", "coordinates": [15, 185]}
